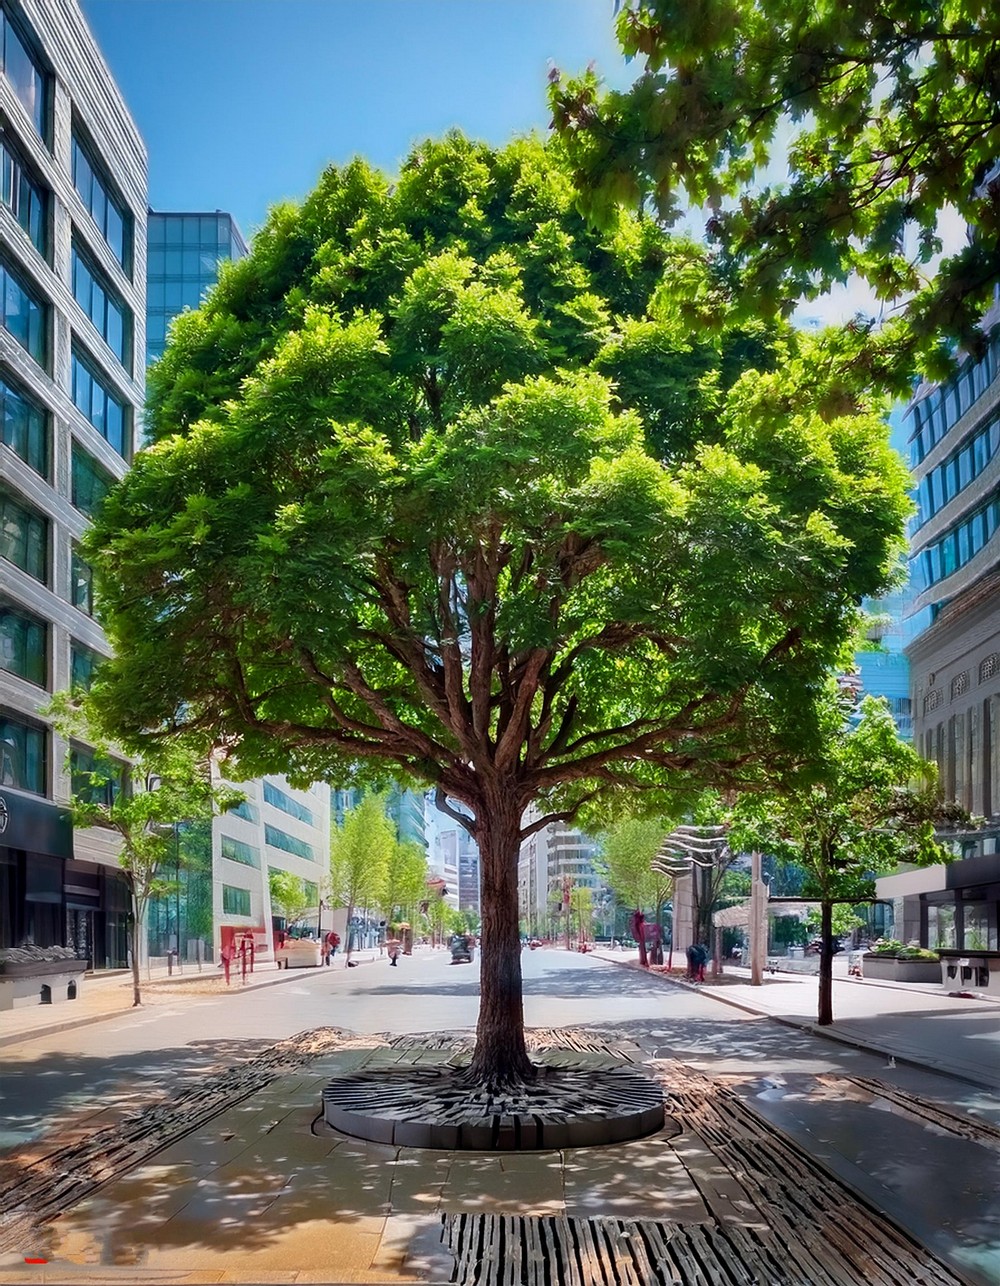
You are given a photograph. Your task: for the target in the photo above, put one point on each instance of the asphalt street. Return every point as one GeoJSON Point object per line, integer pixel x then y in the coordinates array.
{"type": "Point", "coordinates": [943, 1189]}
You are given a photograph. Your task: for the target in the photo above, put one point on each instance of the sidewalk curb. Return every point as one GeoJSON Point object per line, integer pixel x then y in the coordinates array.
{"type": "Point", "coordinates": [88, 1020]}
{"type": "Point", "coordinates": [814, 1029]}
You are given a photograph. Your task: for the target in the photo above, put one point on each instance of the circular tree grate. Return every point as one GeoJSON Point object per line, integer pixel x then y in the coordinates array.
{"type": "Point", "coordinates": [434, 1107]}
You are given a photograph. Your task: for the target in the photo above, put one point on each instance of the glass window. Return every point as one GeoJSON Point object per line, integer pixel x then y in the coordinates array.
{"type": "Point", "coordinates": [24, 74]}
{"type": "Point", "coordinates": [23, 645]}
{"type": "Point", "coordinates": [83, 663]}
{"type": "Point", "coordinates": [191, 231]}
{"type": "Point", "coordinates": [244, 809]}
{"type": "Point", "coordinates": [107, 412]}
{"type": "Point", "coordinates": [965, 467]}
{"type": "Point", "coordinates": [90, 483]}
{"type": "Point", "coordinates": [25, 198]}
{"type": "Point", "coordinates": [81, 583]}
{"type": "Point", "coordinates": [236, 851]}
{"type": "Point", "coordinates": [280, 799]}
{"type": "Point", "coordinates": [111, 318]}
{"type": "Point", "coordinates": [155, 230]}
{"type": "Point", "coordinates": [155, 263]}
{"type": "Point", "coordinates": [96, 779]}
{"type": "Point", "coordinates": [24, 428]}
{"type": "Point", "coordinates": [978, 532]}
{"type": "Point", "coordinates": [22, 756]}
{"type": "Point", "coordinates": [24, 538]}
{"type": "Point", "coordinates": [23, 314]}
{"type": "Point", "coordinates": [949, 554]}
{"type": "Point", "coordinates": [235, 901]}
{"type": "Point", "coordinates": [941, 927]}
{"type": "Point", "coordinates": [107, 209]}
{"type": "Point", "coordinates": [964, 543]}
{"type": "Point", "coordinates": [288, 843]}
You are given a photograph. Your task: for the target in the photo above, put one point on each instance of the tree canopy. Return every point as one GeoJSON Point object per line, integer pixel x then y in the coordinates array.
{"type": "Point", "coordinates": [433, 486]}
{"type": "Point", "coordinates": [867, 803]}
{"type": "Point", "coordinates": [886, 113]}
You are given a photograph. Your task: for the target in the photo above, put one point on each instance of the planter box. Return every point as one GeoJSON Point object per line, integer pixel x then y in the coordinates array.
{"type": "Point", "coordinates": [299, 953]}
{"type": "Point", "coordinates": [889, 969]}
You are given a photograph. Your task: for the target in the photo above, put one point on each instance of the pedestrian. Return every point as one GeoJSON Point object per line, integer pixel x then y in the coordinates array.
{"type": "Point", "coordinates": [692, 959]}
{"type": "Point", "coordinates": [702, 960]}
{"type": "Point", "coordinates": [392, 947]}
{"type": "Point", "coordinates": [330, 944]}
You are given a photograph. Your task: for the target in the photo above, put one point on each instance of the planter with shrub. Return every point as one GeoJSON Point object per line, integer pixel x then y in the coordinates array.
{"type": "Point", "coordinates": [893, 962]}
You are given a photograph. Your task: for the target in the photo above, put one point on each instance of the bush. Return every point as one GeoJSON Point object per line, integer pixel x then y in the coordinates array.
{"type": "Point", "coordinates": [892, 948]}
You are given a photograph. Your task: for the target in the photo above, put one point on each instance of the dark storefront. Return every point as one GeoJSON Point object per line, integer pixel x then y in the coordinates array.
{"type": "Point", "coordinates": [47, 898]}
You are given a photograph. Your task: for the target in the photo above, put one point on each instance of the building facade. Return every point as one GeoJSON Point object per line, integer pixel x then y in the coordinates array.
{"type": "Point", "coordinates": [73, 200]}
{"type": "Point", "coordinates": [552, 860]}
{"type": "Point", "coordinates": [185, 251]}
{"type": "Point", "coordinates": [955, 654]}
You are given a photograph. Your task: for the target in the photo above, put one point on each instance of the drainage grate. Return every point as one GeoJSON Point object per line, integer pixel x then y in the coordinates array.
{"type": "Point", "coordinates": [964, 1127]}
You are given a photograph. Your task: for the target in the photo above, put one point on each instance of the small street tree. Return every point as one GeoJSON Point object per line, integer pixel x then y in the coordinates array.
{"type": "Point", "coordinates": [289, 897]}
{"type": "Point", "coordinates": [858, 809]}
{"type": "Point", "coordinates": [405, 880]}
{"type": "Point", "coordinates": [360, 850]}
{"type": "Point", "coordinates": [169, 785]}
{"type": "Point", "coordinates": [627, 851]}
{"type": "Point", "coordinates": [443, 480]}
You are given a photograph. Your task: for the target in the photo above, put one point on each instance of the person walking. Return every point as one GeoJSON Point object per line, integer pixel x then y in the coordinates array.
{"type": "Point", "coordinates": [392, 947]}
{"type": "Point", "coordinates": [330, 944]}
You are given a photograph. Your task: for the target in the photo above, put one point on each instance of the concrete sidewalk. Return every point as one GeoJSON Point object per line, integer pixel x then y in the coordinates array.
{"type": "Point", "coordinates": [923, 1025]}
{"type": "Point", "coordinates": [109, 995]}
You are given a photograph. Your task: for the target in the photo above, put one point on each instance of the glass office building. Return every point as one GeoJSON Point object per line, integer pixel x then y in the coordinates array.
{"type": "Point", "coordinates": [184, 254]}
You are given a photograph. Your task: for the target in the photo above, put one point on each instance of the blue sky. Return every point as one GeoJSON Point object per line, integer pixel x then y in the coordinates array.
{"type": "Point", "coordinates": [243, 102]}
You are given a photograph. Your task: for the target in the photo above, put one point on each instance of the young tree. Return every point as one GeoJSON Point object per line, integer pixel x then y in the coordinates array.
{"type": "Point", "coordinates": [627, 851]}
{"type": "Point", "coordinates": [405, 879]}
{"type": "Point", "coordinates": [867, 803]}
{"type": "Point", "coordinates": [398, 513]}
{"type": "Point", "coordinates": [360, 851]}
{"type": "Point", "coordinates": [288, 895]}
{"type": "Point", "coordinates": [170, 784]}
{"type": "Point", "coordinates": [884, 116]}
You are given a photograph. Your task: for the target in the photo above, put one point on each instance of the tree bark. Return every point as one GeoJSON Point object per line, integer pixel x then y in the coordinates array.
{"type": "Point", "coordinates": [347, 934]}
{"type": "Point", "coordinates": [825, 1016]}
{"type": "Point", "coordinates": [136, 941]}
{"type": "Point", "coordinates": [501, 1057]}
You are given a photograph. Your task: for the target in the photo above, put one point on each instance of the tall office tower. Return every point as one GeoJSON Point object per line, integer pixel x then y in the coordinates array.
{"type": "Point", "coordinates": [72, 344]}
{"type": "Point", "coordinates": [185, 251]}
{"type": "Point", "coordinates": [554, 858]}
{"type": "Point", "coordinates": [222, 877]}
{"type": "Point", "coordinates": [955, 656]}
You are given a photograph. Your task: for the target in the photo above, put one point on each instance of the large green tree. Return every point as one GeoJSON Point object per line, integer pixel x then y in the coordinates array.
{"type": "Point", "coordinates": [821, 140]}
{"type": "Point", "coordinates": [409, 504]}
{"type": "Point", "coordinates": [626, 863]}
{"type": "Point", "coordinates": [862, 806]}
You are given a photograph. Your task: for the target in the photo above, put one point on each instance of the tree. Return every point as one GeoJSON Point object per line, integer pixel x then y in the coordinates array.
{"type": "Point", "coordinates": [581, 906]}
{"type": "Point", "coordinates": [867, 803]}
{"type": "Point", "coordinates": [627, 851]}
{"type": "Point", "coordinates": [887, 115]}
{"type": "Point", "coordinates": [394, 517]}
{"type": "Point", "coordinates": [288, 895]}
{"type": "Point", "coordinates": [170, 784]}
{"type": "Point", "coordinates": [360, 850]}
{"type": "Point", "coordinates": [405, 880]}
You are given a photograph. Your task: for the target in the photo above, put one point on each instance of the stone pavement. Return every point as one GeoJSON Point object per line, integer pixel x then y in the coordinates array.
{"type": "Point", "coordinates": [265, 1192]}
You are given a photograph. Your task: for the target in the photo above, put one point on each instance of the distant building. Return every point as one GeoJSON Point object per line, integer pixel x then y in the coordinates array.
{"type": "Point", "coordinates": [551, 860]}
{"type": "Point", "coordinates": [73, 202]}
{"type": "Point", "coordinates": [185, 251]}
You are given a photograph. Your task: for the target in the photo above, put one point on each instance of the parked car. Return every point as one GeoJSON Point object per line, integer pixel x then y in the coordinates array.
{"type": "Point", "coordinates": [461, 949]}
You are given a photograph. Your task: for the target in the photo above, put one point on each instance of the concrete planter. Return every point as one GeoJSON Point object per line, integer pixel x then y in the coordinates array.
{"type": "Point", "coordinates": [889, 969]}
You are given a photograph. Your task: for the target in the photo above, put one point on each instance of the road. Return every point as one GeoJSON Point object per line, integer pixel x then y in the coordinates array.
{"type": "Point", "coordinates": [943, 1189]}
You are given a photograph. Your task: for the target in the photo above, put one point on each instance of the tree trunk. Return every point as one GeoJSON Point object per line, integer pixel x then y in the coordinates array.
{"type": "Point", "coordinates": [501, 1058]}
{"type": "Point", "coordinates": [136, 941]}
{"type": "Point", "coordinates": [825, 1017]}
{"type": "Point", "coordinates": [347, 935]}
